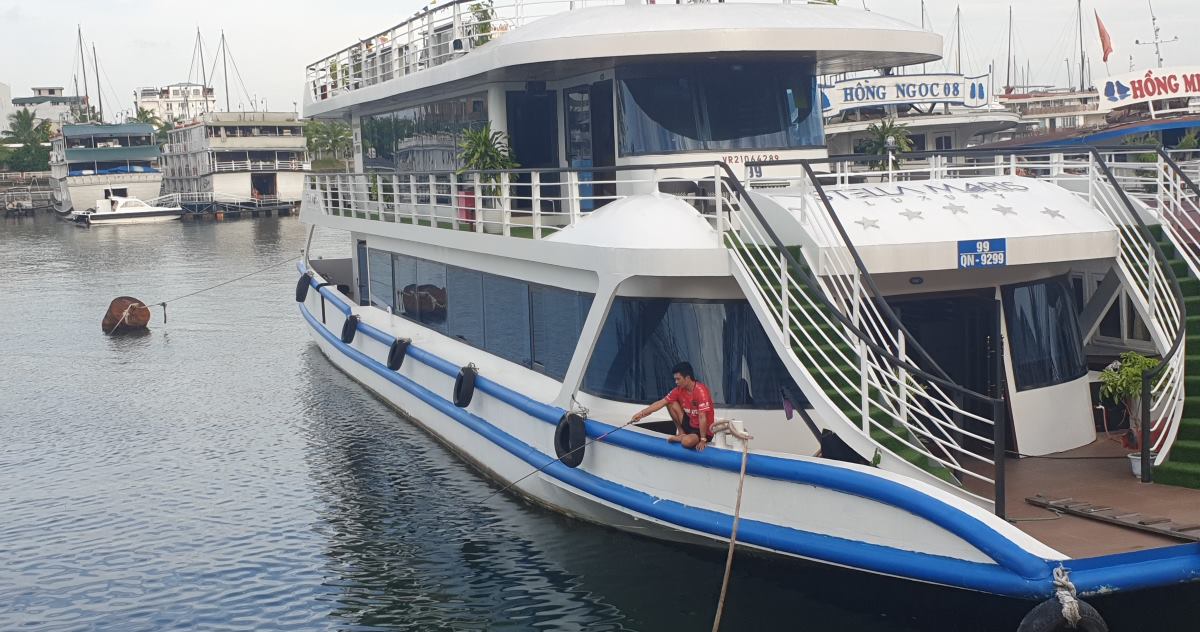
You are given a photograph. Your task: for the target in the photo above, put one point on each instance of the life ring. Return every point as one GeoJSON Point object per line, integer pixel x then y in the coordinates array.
{"type": "Point", "coordinates": [397, 352]}
{"type": "Point", "coordinates": [570, 439]}
{"type": "Point", "coordinates": [349, 328]}
{"type": "Point", "coordinates": [1048, 617]}
{"type": "Point", "coordinates": [464, 385]}
{"type": "Point", "coordinates": [302, 286]}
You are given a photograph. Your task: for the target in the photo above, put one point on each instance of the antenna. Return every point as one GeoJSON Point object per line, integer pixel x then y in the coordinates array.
{"type": "Point", "coordinates": [1157, 42]}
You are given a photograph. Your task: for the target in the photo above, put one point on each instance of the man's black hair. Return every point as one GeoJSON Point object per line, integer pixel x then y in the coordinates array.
{"type": "Point", "coordinates": [684, 369]}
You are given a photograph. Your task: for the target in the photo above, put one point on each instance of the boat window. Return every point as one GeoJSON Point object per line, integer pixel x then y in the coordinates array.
{"type": "Point", "coordinates": [431, 294]}
{"type": "Point", "coordinates": [506, 326]}
{"type": "Point", "coordinates": [423, 137]}
{"type": "Point", "coordinates": [465, 317]}
{"type": "Point", "coordinates": [1043, 334]}
{"type": "Point", "coordinates": [667, 108]}
{"type": "Point", "coordinates": [643, 339]}
{"type": "Point", "coordinates": [404, 270]}
{"type": "Point", "coordinates": [379, 269]}
{"type": "Point", "coordinates": [558, 317]}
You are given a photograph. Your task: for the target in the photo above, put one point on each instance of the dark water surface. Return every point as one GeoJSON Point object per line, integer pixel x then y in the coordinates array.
{"type": "Point", "coordinates": [218, 473]}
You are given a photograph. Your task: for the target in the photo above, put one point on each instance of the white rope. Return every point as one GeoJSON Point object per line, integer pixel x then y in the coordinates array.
{"type": "Point", "coordinates": [1065, 591]}
{"type": "Point", "coordinates": [745, 438]}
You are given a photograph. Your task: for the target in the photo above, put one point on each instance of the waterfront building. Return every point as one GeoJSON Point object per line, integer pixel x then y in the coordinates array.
{"type": "Point", "coordinates": [5, 104]}
{"type": "Point", "coordinates": [246, 156]}
{"type": "Point", "coordinates": [51, 104]}
{"type": "Point", "coordinates": [930, 326]}
{"type": "Point", "coordinates": [176, 102]}
{"type": "Point", "coordinates": [90, 162]}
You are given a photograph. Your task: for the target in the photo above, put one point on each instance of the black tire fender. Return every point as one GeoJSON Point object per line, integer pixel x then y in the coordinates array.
{"type": "Point", "coordinates": [349, 328]}
{"type": "Point", "coordinates": [1048, 617]}
{"type": "Point", "coordinates": [397, 352]}
{"type": "Point", "coordinates": [464, 385]}
{"type": "Point", "coordinates": [570, 439]}
{"type": "Point", "coordinates": [302, 286]}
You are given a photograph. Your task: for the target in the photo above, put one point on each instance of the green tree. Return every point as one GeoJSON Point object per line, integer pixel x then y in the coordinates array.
{"type": "Point", "coordinates": [32, 135]}
{"type": "Point", "coordinates": [877, 141]}
{"type": "Point", "coordinates": [145, 116]}
{"type": "Point", "coordinates": [482, 149]}
{"type": "Point", "coordinates": [329, 139]}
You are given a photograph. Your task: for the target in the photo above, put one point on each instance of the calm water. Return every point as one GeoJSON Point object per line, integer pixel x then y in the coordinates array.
{"type": "Point", "coordinates": [219, 473]}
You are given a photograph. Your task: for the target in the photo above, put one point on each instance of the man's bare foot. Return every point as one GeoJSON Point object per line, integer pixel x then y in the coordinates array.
{"type": "Point", "coordinates": [675, 438]}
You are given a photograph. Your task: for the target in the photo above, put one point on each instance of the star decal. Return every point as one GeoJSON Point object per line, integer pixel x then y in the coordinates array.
{"type": "Point", "coordinates": [1053, 213]}
{"type": "Point", "coordinates": [867, 222]}
{"type": "Point", "coordinates": [1004, 210]}
{"type": "Point", "coordinates": [955, 209]}
{"type": "Point", "coordinates": [911, 214]}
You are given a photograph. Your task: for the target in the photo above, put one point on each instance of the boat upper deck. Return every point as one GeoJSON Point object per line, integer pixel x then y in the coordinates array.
{"type": "Point", "coordinates": [463, 39]}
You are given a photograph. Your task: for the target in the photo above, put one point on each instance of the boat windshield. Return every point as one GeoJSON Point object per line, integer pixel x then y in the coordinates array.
{"type": "Point", "coordinates": [671, 108]}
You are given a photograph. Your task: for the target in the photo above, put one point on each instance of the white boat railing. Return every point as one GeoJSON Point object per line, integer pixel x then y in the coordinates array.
{"type": "Point", "coordinates": [257, 165]}
{"type": "Point", "coordinates": [1108, 186]}
{"type": "Point", "coordinates": [436, 35]}
{"type": "Point", "coordinates": [208, 197]}
{"type": "Point", "coordinates": [521, 203]}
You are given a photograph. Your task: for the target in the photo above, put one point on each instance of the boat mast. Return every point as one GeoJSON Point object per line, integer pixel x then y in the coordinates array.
{"type": "Point", "coordinates": [1079, 5]}
{"type": "Point", "coordinates": [958, 36]}
{"type": "Point", "coordinates": [203, 74]}
{"type": "Point", "coordinates": [99, 95]}
{"type": "Point", "coordinates": [1009, 62]}
{"type": "Point", "coordinates": [87, 98]}
{"type": "Point", "coordinates": [225, 67]}
{"type": "Point", "coordinates": [1157, 42]}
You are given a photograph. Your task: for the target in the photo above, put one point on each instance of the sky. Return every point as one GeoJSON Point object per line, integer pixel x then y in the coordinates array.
{"type": "Point", "coordinates": [151, 42]}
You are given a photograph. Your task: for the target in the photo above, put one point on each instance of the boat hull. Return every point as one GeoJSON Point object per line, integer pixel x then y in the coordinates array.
{"type": "Point", "coordinates": [147, 217]}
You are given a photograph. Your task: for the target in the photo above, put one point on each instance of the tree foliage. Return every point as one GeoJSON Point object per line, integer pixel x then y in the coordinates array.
{"type": "Point", "coordinates": [482, 149]}
{"type": "Point", "coordinates": [877, 140]}
{"type": "Point", "coordinates": [32, 135]}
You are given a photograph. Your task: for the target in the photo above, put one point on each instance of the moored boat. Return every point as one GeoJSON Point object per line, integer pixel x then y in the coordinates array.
{"type": "Point", "coordinates": [674, 201]}
{"type": "Point", "coordinates": [122, 210]}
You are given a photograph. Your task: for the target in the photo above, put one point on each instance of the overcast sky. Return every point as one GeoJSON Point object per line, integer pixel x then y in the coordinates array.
{"type": "Point", "coordinates": [150, 43]}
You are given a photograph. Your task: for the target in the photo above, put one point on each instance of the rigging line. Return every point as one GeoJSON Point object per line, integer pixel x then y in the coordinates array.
{"type": "Point", "coordinates": [234, 280]}
{"type": "Point", "coordinates": [237, 72]}
{"type": "Point", "coordinates": [112, 92]}
{"type": "Point", "coordinates": [213, 69]}
{"type": "Point", "coordinates": [192, 64]}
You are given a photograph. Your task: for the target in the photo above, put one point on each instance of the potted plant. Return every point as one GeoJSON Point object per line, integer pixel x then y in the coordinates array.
{"type": "Point", "coordinates": [483, 150]}
{"type": "Point", "coordinates": [1121, 382]}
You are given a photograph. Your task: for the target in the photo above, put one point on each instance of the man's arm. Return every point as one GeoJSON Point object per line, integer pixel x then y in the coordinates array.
{"type": "Point", "coordinates": [649, 409]}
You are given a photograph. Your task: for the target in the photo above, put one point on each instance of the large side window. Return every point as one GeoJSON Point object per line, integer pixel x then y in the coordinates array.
{"type": "Point", "coordinates": [379, 264]}
{"type": "Point", "coordinates": [643, 339]}
{"type": "Point", "coordinates": [1043, 334]}
{"type": "Point", "coordinates": [506, 319]}
{"type": "Point", "coordinates": [404, 270]}
{"type": "Point", "coordinates": [431, 294]}
{"type": "Point", "coordinates": [464, 289]}
{"type": "Point", "coordinates": [557, 316]}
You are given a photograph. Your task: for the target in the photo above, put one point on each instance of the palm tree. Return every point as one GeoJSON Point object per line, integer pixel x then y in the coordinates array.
{"type": "Point", "coordinates": [146, 116]}
{"type": "Point", "coordinates": [24, 129]}
{"type": "Point", "coordinates": [160, 133]}
{"type": "Point", "coordinates": [877, 141]}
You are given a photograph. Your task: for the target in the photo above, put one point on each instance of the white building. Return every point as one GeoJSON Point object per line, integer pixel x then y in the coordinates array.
{"type": "Point", "coordinates": [176, 102]}
{"type": "Point", "coordinates": [5, 104]}
{"type": "Point", "coordinates": [257, 156]}
{"type": "Point", "coordinates": [51, 104]}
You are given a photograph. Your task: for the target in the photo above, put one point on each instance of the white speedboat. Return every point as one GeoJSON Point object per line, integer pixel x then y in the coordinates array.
{"type": "Point", "coordinates": [123, 210]}
{"type": "Point", "coordinates": [933, 327]}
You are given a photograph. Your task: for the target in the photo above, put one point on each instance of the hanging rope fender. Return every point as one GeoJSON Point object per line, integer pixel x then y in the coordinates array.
{"type": "Point", "coordinates": [744, 437]}
{"type": "Point", "coordinates": [1064, 611]}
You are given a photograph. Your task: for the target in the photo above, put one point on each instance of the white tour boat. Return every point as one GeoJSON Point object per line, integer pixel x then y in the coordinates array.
{"type": "Point", "coordinates": [122, 210]}
{"type": "Point", "coordinates": [93, 160]}
{"type": "Point", "coordinates": [935, 328]}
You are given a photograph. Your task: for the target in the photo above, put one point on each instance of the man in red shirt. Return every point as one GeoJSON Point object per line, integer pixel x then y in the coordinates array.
{"type": "Point", "coordinates": [691, 408]}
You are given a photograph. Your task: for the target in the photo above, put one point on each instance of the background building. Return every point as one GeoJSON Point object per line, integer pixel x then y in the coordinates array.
{"type": "Point", "coordinates": [178, 101]}
{"type": "Point", "coordinates": [51, 104]}
{"type": "Point", "coordinates": [5, 104]}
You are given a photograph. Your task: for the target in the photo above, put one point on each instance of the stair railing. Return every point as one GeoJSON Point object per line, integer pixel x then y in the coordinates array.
{"type": "Point", "coordinates": [864, 350]}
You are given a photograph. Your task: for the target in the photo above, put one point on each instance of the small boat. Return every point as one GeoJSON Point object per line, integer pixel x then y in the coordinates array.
{"type": "Point", "coordinates": [123, 210]}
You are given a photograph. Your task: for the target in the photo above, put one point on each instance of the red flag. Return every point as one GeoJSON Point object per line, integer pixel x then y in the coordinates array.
{"type": "Point", "coordinates": [1105, 38]}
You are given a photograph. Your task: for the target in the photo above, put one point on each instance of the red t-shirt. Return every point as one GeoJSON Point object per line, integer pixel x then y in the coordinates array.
{"type": "Point", "coordinates": [693, 402]}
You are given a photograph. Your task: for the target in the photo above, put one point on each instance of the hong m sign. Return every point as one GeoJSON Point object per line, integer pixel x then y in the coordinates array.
{"type": "Point", "coordinates": [862, 92]}
{"type": "Point", "coordinates": [1129, 88]}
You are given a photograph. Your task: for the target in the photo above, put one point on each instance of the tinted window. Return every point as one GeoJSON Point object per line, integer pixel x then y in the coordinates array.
{"type": "Point", "coordinates": [668, 108]}
{"type": "Point", "coordinates": [431, 294]}
{"type": "Point", "coordinates": [404, 271]}
{"type": "Point", "coordinates": [643, 339]}
{"type": "Point", "coordinates": [1043, 334]}
{"type": "Point", "coordinates": [558, 317]}
{"type": "Point", "coordinates": [506, 319]}
{"type": "Point", "coordinates": [465, 295]}
{"type": "Point", "coordinates": [379, 266]}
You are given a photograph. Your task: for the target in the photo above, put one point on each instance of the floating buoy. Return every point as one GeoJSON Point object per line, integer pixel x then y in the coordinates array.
{"type": "Point", "coordinates": [125, 314]}
{"type": "Point", "coordinates": [570, 439]}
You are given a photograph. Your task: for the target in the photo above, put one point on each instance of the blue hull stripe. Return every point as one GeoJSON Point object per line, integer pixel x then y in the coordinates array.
{"type": "Point", "coordinates": [1019, 574]}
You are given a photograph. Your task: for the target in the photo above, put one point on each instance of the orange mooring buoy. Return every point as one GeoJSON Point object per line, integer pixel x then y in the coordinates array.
{"type": "Point", "coordinates": [125, 314]}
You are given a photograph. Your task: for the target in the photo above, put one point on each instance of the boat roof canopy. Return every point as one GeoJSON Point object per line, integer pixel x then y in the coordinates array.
{"type": "Point", "coordinates": [835, 39]}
